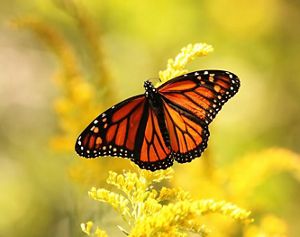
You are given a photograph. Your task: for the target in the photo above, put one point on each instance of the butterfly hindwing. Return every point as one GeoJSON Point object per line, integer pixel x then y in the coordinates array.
{"type": "Point", "coordinates": [188, 136]}
{"type": "Point", "coordinates": [154, 152]}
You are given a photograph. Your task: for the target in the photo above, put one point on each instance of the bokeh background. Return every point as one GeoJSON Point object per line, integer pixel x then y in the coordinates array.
{"type": "Point", "coordinates": [63, 62]}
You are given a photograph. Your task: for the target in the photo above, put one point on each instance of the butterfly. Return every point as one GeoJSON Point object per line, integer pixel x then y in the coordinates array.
{"type": "Point", "coordinates": [162, 125]}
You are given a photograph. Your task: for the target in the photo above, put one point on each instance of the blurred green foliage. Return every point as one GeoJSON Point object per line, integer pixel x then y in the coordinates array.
{"type": "Point", "coordinates": [111, 47]}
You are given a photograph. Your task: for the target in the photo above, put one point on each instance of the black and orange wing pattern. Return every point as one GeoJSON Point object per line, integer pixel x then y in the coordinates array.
{"type": "Point", "coordinates": [129, 129]}
{"type": "Point", "coordinates": [190, 102]}
{"type": "Point", "coordinates": [154, 151]}
{"type": "Point", "coordinates": [188, 137]}
{"type": "Point", "coordinates": [167, 123]}
{"type": "Point", "coordinates": [113, 132]}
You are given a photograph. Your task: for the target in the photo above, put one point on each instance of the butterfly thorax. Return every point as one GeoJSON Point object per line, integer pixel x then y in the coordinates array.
{"type": "Point", "coordinates": [152, 95]}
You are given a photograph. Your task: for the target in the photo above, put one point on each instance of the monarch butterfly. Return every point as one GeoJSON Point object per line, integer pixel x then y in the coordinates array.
{"type": "Point", "coordinates": [162, 125]}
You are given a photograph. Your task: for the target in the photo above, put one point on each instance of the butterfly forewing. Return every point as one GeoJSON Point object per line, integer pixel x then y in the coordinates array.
{"type": "Point", "coordinates": [113, 132]}
{"type": "Point", "coordinates": [201, 93]}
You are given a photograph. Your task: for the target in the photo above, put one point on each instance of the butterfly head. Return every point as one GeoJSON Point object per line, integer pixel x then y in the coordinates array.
{"type": "Point", "coordinates": [150, 90]}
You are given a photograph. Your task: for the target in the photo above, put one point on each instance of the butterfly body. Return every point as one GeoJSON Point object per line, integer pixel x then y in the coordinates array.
{"type": "Point", "coordinates": [155, 102]}
{"type": "Point", "coordinates": [162, 125]}
{"type": "Point", "coordinates": [152, 96]}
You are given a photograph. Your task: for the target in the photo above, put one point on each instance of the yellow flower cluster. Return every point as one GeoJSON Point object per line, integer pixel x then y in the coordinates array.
{"type": "Point", "coordinates": [92, 35]}
{"type": "Point", "coordinates": [270, 226]}
{"type": "Point", "coordinates": [82, 93]}
{"type": "Point", "coordinates": [163, 212]}
{"type": "Point", "coordinates": [260, 167]}
{"type": "Point", "coordinates": [238, 181]}
{"type": "Point", "coordinates": [87, 228]}
{"type": "Point", "coordinates": [78, 102]}
{"type": "Point", "coordinates": [176, 67]}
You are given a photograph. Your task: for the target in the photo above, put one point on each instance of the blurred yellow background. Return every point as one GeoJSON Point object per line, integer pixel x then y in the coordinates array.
{"type": "Point", "coordinates": [63, 62]}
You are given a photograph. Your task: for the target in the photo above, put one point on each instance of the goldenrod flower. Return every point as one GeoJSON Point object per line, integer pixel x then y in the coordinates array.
{"type": "Point", "coordinates": [80, 90]}
{"type": "Point", "coordinates": [77, 101]}
{"type": "Point", "coordinates": [269, 226]}
{"type": "Point", "coordinates": [117, 201]}
{"type": "Point", "coordinates": [238, 181]}
{"type": "Point", "coordinates": [176, 67]}
{"type": "Point", "coordinates": [87, 229]}
{"type": "Point", "coordinates": [260, 166]}
{"type": "Point", "coordinates": [164, 212]}
{"type": "Point", "coordinates": [177, 215]}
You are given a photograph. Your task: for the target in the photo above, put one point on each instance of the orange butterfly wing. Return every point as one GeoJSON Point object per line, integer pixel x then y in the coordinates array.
{"type": "Point", "coordinates": [201, 93]}
{"type": "Point", "coordinates": [113, 132]}
{"type": "Point", "coordinates": [129, 129]}
{"type": "Point", "coordinates": [155, 153]}
{"type": "Point", "coordinates": [190, 102]}
{"type": "Point", "coordinates": [188, 137]}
